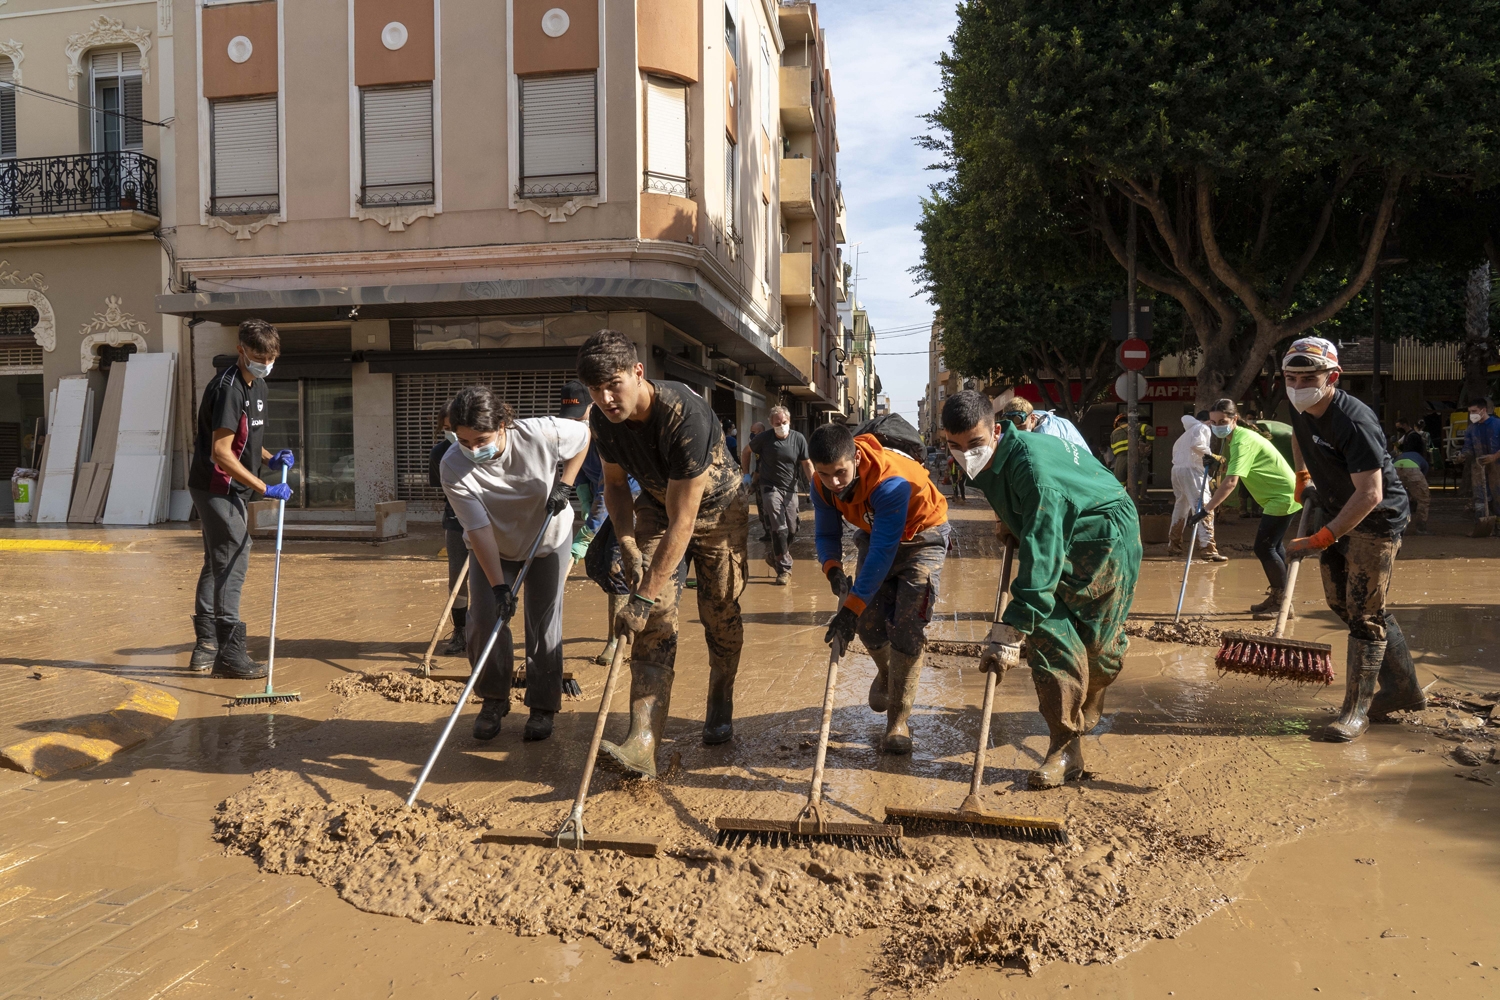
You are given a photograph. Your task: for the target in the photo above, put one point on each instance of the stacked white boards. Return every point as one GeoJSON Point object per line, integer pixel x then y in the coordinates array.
{"type": "Point", "coordinates": [140, 483]}
{"type": "Point", "coordinates": [70, 421]}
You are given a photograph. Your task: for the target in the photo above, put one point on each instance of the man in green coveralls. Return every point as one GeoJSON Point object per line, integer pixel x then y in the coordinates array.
{"type": "Point", "coordinates": [1078, 555]}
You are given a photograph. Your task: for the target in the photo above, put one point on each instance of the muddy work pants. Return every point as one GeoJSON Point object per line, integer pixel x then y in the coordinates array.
{"type": "Point", "coordinates": [1081, 645]}
{"type": "Point", "coordinates": [1356, 576]}
{"type": "Point", "coordinates": [778, 509]}
{"type": "Point", "coordinates": [717, 550]}
{"type": "Point", "coordinates": [541, 603]}
{"type": "Point", "coordinates": [901, 608]}
{"type": "Point", "coordinates": [1486, 482]}
{"type": "Point", "coordinates": [1420, 492]}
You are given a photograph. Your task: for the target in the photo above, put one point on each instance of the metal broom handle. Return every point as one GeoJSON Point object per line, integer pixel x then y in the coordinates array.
{"type": "Point", "coordinates": [276, 586]}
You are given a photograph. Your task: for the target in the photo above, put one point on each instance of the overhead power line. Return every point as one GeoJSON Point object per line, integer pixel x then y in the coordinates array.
{"type": "Point", "coordinates": [59, 99]}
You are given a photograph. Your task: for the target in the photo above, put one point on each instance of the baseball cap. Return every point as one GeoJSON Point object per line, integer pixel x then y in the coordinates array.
{"type": "Point", "coordinates": [574, 401]}
{"type": "Point", "coordinates": [1311, 353]}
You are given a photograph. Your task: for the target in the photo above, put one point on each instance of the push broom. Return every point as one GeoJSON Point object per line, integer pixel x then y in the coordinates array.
{"type": "Point", "coordinates": [1272, 655]}
{"type": "Point", "coordinates": [270, 696]}
{"type": "Point", "coordinates": [969, 818]}
{"type": "Point", "coordinates": [810, 827]}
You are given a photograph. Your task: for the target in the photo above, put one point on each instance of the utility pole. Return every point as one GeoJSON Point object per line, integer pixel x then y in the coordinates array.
{"type": "Point", "coordinates": [1375, 325]}
{"type": "Point", "coordinates": [1132, 397]}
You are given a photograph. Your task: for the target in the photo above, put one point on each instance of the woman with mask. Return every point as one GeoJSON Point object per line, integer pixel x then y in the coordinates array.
{"type": "Point", "coordinates": [503, 483]}
{"type": "Point", "coordinates": [453, 532]}
{"type": "Point", "coordinates": [1344, 471]}
{"type": "Point", "coordinates": [1252, 460]}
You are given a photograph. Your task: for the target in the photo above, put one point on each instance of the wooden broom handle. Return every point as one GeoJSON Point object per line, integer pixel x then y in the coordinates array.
{"type": "Point", "coordinates": [1291, 580]}
{"type": "Point", "coordinates": [1002, 598]}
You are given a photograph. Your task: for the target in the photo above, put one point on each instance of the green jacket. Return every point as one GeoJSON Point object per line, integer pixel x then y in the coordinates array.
{"type": "Point", "coordinates": [1049, 494]}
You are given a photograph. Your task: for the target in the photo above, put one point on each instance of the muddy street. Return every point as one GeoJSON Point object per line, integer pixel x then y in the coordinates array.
{"type": "Point", "coordinates": [1214, 849]}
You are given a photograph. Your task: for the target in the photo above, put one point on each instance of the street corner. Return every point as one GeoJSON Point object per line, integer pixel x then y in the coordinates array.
{"type": "Point", "coordinates": [65, 718]}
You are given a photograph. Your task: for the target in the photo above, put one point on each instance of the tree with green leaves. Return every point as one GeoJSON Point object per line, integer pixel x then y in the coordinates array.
{"type": "Point", "coordinates": [1267, 148]}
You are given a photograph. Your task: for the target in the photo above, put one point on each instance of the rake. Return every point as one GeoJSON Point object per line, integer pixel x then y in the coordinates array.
{"type": "Point", "coordinates": [969, 818]}
{"type": "Point", "coordinates": [442, 623]}
{"type": "Point", "coordinates": [270, 696]}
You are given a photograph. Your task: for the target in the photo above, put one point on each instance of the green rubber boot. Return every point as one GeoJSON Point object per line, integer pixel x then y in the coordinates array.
{"type": "Point", "coordinates": [650, 695]}
{"type": "Point", "coordinates": [1360, 673]}
{"type": "Point", "coordinates": [607, 655]}
{"type": "Point", "coordinates": [879, 693]}
{"type": "Point", "coordinates": [901, 695]}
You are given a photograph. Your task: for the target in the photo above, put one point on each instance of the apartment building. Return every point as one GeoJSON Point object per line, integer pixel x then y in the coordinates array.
{"type": "Point", "coordinates": [428, 194]}
{"type": "Point", "coordinates": [856, 359]}
{"type": "Point", "coordinates": [86, 146]}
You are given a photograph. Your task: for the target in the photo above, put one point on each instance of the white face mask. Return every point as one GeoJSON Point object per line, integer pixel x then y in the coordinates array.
{"type": "Point", "coordinates": [1304, 398]}
{"type": "Point", "coordinates": [1476, 418]}
{"type": "Point", "coordinates": [974, 461]}
{"type": "Point", "coordinates": [781, 430]}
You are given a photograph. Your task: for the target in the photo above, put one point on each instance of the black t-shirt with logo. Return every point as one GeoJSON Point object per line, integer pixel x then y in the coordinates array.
{"type": "Point", "coordinates": [1347, 439]}
{"type": "Point", "coordinates": [681, 439]}
{"type": "Point", "coordinates": [780, 458]}
{"type": "Point", "coordinates": [228, 404]}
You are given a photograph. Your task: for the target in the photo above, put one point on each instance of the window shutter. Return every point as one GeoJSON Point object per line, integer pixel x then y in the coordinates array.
{"type": "Point", "coordinates": [666, 138]}
{"type": "Point", "coordinates": [130, 60]}
{"type": "Point", "coordinates": [398, 146]}
{"type": "Point", "coordinates": [558, 142]}
{"type": "Point", "coordinates": [106, 63]}
{"type": "Point", "coordinates": [131, 108]}
{"type": "Point", "coordinates": [729, 206]}
{"type": "Point", "coordinates": [245, 161]}
{"type": "Point", "coordinates": [7, 109]}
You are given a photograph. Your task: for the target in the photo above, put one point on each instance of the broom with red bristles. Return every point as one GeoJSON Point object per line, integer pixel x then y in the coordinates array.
{"type": "Point", "coordinates": [1273, 656]}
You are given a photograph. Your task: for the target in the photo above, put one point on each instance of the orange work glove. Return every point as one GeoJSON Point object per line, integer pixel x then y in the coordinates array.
{"type": "Point", "coordinates": [1311, 543]}
{"type": "Point", "coordinates": [1303, 478]}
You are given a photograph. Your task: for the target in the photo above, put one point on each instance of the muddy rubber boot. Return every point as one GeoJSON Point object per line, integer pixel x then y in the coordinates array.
{"type": "Point", "coordinates": [1064, 758]}
{"type": "Point", "coordinates": [1360, 673]}
{"type": "Point", "coordinates": [1400, 691]}
{"type": "Point", "coordinates": [1174, 537]}
{"type": "Point", "coordinates": [650, 694]}
{"type": "Point", "coordinates": [487, 722]}
{"type": "Point", "coordinates": [233, 659]}
{"type": "Point", "coordinates": [538, 726]}
{"type": "Point", "coordinates": [1093, 708]}
{"type": "Point", "coordinates": [901, 695]}
{"type": "Point", "coordinates": [783, 579]}
{"type": "Point", "coordinates": [718, 718]}
{"type": "Point", "coordinates": [607, 654]}
{"type": "Point", "coordinates": [457, 644]}
{"type": "Point", "coordinates": [206, 649]}
{"type": "Point", "coordinates": [879, 687]}
{"type": "Point", "coordinates": [1211, 553]}
{"type": "Point", "coordinates": [1270, 607]}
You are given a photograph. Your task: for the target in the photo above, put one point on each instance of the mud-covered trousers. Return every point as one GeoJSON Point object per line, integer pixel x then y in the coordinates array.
{"type": "Point", "coordinates": [717, 549]}
{"type": "Point", "coordinates": [778, 509]}
{"type": "Point", "coordinates": [1420, 493]}
{"type": "Point", "coordinates": [1081, 645]}
{"type": "Point", "coordinates": [540, 602]}
{"type": "Point", "coordinates": [1356, 576]}
{"type": "Point", "coordinates": [901, 608]}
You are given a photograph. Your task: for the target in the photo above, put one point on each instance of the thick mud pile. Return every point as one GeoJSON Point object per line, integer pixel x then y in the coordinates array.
{"type": "Point", "coordinates": [400, 686]}
{"type": "Point", "coordinates": [1191, 631]}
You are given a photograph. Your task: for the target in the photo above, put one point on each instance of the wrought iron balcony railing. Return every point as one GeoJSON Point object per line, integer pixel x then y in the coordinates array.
{"type": "Point", "coordinates": [87, 182]}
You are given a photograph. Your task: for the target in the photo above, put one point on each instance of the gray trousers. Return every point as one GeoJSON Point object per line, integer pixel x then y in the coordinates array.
{"type": "Point", "coordinates": [778, 510]}
{"type": "Point", "coordinates": [226, 554]}
{"type": "Point", "coordinates": [458, 551]}
{"type": "Point", "coordinates": [541, 604]}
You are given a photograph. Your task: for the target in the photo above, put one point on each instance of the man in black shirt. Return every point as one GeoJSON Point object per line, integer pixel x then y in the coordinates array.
{"type": "Point", "coordinates": [667, 438]}
{"type": "Point", "coordinates": [1345, 472]}
{"type": "Point", "coordinates": [453, 534]}
{"type": "Point", "coordinates": [227, 447]}
{"type": "Point", "coordinates": [781, 451]}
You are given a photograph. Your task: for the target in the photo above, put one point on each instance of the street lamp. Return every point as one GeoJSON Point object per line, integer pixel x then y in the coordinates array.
{"type": "Point", "coordinates": [839, 357]}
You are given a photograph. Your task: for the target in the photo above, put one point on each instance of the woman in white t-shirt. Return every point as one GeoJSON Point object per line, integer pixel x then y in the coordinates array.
{"type": "Point", "coordinates": [504, 485]}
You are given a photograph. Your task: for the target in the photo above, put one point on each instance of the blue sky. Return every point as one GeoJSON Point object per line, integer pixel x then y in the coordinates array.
{"type": "Point", "coordinates": [885, 78]}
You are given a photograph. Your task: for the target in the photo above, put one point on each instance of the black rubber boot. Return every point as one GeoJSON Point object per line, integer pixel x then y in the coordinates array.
{"type": "Point", "coordinates": [901, 695]}
{"type": "Point", "coordinates": [539, 725]}
{"type": "Point", "coordinates": [650, 696]}
{"type": "Point", "coordinates": [879, 694]}
{"type": "Point", "coordinates": [1400, 691]}
{"type": "Point", "coordinates": [233, 659]}
{"type": "Point", "coordinates": [206, 649]}
{"type": "Point", "coordinates": [457, 644]}
{"type": "Point", "coordinates": [718, 718]}
{"type": "Point", "coordinates": [1360, 674]}
{"type": "Point", "coordinates": [487, 722]}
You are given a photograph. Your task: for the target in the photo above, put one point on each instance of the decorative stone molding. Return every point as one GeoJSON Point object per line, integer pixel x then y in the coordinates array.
{"type": "Point", "coordinates": [395, 218]}
{"type": "Point", "coordinates": [163, 17]}
{"type": "Point", "coordinates": [105, 31]}
{"type": "Point", "coordinates": [88, 359]}
{"type": "Point", "coordinates": [34, 279]}
{"type": "Point", "coordinates": [243, 232]}
{"type": "Point", "coordinates": [45, 331]}
{"type": "Point", "coordinates": [12, 48]}
{"type": "Point", "coordinates": [113, 326]}
{"type": "Point", "coordinates": [556, 211]}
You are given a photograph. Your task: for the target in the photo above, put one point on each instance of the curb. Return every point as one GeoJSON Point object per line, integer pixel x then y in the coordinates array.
{"type": "Point", "coordinates": [95, 740]}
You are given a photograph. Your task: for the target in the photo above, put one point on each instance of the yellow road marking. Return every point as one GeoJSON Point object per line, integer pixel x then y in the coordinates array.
{"type": "Point", "coordinates": [51, 545]}
{"type": "Point", "coordinates": [95, 739]}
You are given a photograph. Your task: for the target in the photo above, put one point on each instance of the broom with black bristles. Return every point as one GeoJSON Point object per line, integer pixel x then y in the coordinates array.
{"type": "Point", "coordinates": [969, 818]}
{"type": "Point", "coordinates": [810, 827]}
{"type": "Point", "coordinates": [1272, 655]}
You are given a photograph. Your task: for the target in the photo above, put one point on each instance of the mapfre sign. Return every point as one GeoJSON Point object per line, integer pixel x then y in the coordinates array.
{"type": "Point", "coordinates": [1158, 390]}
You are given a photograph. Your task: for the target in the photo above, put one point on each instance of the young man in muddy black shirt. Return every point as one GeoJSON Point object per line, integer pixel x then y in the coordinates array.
{"type": "Point", "coordinates": [1344, 471]}
{"type": "Point", "coordinates": [780, 453]}
{"type": "Point", "coordinates": [227, 447]}
{"type": "Point", "coordinates": [691, 503]}
{"type": "Point", "coordinates": [902, 542]}
{"type": "Point", "coordinates": [1078, 554]}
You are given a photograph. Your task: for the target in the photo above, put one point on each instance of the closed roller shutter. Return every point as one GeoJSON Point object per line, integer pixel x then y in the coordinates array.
{"type": "Point", "coordinates": [7, 108]}
{"type": "Point", "coordinates": [247, 177]}
{"type": "Point", "coordinates": [666, 137]}
{"type": "Point", "coordinates": [530, 394]}
{"type": "Point", "coordinates": [558, 142]}
{"type": "Point", "coordinates": [398, 146]}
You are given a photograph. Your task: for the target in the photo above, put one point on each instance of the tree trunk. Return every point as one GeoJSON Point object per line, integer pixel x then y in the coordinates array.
{"type": "Point", "coordinates": [1476, 351]}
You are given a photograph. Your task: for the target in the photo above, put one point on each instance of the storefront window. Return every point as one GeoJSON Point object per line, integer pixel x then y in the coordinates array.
{"type": "Point", "coordinates": [497, 332]}
{"type": "Point", "coordinates": [315, 418]}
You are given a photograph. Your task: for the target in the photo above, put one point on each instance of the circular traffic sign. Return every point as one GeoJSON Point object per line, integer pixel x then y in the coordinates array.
{"type": "Point", "coordinates": [1135, 354]}
{"type": "Point", "coordinates": [1122, 387]}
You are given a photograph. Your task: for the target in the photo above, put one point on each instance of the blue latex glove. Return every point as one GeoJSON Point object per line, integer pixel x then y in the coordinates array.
{"type": "Point", "coordinates": [279, 491]}
{"type": "Point", "coordinates": [283, 459]}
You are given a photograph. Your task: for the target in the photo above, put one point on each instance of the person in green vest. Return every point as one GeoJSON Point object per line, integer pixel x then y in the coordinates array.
{"type": "Point", "coordinates": [1078, 549]}
{"type": "Point", "coordinates": [1254, 462]}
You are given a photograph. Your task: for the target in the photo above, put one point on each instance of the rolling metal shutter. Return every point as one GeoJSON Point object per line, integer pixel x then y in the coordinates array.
{"type": "Point", "coordinates": [530, 394]}
{"type": "Point", "coordinates": [247, 175]}
{"type": "Point", "coordinates": [666, 137]}
{"type": "Point", "coordinates": [559, 145]}
{"type": "Point", "coordinates": [731, 222]}
{"type": "Point", "coordinates": [398, 146]}
{"type": "Point", "coordinates": [7, 108]}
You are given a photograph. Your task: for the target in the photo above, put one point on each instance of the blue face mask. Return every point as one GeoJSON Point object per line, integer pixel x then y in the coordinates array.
{"type": "Point", "coordinates": [452, 437]}
{"type": "Point", "coordinates": [484, 453]}
{"type": "Point", "coordinates": [1222, 430]}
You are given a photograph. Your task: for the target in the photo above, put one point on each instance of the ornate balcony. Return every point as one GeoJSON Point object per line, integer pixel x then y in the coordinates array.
{"type": "Point", "coordinates": [89, 194]}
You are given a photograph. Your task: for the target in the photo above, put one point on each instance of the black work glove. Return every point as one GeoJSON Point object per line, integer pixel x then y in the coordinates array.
{"type": "Point", "coordinates": [1197, 516]}
{"type": "Point", "coordinates": [631, 619]}
{"type": "Point", "coordinates": [839, 581]}
{"type": "Point", "coordinates": [1310, 497]}
{"type": "Point", "coordinates": [841, 629]}
{"type": "Point", "coordinates": [557, 500]}
{"type": "Point", "coordinates": [505, 600]}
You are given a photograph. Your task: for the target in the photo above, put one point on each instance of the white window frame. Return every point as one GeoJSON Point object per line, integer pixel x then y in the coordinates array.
{"type": "Point", "coordinates": [247, 203]}
{"type": "Point", "coordinates": [545, 184]}
{"type": "Point", "coordinates": [205, 144]}
{"type": "Point", "coordinates": [768, 110]}
{"type": "Point", "coordinates": [120, 75]}
{"type": "Point", "coordinates": [665, 181]}
{"type": "Point", "coordinates": [8, 96]}
{"type": "Point", "coordinates": [397, 193]}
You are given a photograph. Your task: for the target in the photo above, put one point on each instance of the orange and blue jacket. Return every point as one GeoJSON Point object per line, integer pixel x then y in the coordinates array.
{"type": "Point", "coordinates": [892, 501]}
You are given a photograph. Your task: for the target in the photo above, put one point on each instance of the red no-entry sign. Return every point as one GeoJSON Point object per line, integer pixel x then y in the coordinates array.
{"type": "Point", "coordinates": [1135, 354]}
